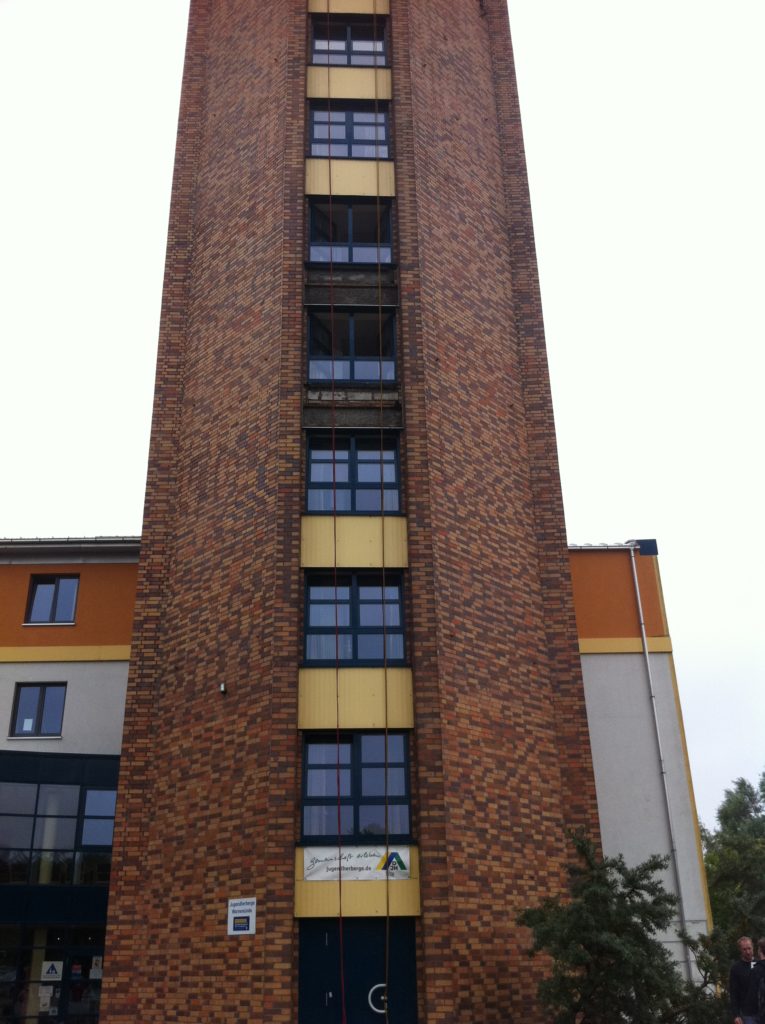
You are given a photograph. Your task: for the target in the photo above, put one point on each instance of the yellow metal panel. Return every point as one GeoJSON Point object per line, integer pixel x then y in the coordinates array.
{"type": "Point", "coordinates": [114, 652]}
{"type": "Point", "coordinates": [360, 693]}
{"type": "Point", "coordinates": [360, 899]}
{"type": "Point", "coordinates": [624, 645]}
{"type": "Point", "coordinates": [361, 542]}
{"type": "Point", "coordinates": [348, 83]}
{"type": "Point", "coordinates": [349, 177]}
{"type": "Point", "coordinates": [349, 7]}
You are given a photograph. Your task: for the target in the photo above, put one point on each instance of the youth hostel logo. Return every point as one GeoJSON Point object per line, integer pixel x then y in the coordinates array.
{"type": "Point", "coordinates": [392, 864]}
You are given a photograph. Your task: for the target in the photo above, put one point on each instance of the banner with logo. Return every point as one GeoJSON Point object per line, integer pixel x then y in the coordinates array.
{"type": "Point", "coordinates": [357, 863]}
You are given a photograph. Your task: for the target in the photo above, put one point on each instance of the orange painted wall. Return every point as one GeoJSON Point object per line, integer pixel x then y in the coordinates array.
{"type": "Point", "coordinates": [104, 613]}
{"type": "Point", "coordinates": [604, 594]}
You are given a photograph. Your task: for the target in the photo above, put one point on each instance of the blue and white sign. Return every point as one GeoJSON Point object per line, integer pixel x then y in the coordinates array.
{"type": "Point", "coordinates": [241, 916]}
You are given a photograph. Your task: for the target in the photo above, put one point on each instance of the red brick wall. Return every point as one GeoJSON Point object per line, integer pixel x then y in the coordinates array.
{"type": "Point", "coordinates": [503, 759]}
{"type": "Point", "coordinates": [207, 803]}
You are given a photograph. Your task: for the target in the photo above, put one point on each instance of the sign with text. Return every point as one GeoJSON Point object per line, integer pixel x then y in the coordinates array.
{"type": "Point", "coordinates": [241, 916]}
{"type": "Point", "coordinates": [355, 863]}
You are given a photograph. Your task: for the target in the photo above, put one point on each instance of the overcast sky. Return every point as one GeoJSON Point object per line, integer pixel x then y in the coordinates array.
{"type": "Point", "coordinates": [644, 137]}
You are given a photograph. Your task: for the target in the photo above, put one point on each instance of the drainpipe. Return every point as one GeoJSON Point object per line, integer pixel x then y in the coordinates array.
{"type": "Point", "coordinates": [633, 546]}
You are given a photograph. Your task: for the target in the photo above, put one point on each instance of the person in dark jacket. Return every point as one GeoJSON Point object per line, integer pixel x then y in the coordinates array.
{"type": "Point", "coordinates": [742, 991]}
{"type": "Point", "coordinates": [758, 981]}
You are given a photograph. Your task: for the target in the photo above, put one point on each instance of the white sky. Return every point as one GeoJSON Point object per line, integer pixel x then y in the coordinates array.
{"type": "Point", "coordinates": [644, 136]}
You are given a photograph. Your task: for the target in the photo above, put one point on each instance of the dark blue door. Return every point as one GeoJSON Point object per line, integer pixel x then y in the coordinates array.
{"type": "Point", "coordinates": [320, 993]}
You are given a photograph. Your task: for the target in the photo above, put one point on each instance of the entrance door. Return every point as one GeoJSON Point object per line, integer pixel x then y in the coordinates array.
{"type": "Point", "coordinates": [320, 995]}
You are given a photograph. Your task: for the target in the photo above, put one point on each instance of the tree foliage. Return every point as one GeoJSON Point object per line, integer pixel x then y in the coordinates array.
{"type": "Point", "coordinates": [608, 965]}
{"type": "Point", "coordinates": [734, 857]}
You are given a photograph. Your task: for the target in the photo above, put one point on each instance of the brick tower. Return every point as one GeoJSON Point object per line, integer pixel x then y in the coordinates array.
{"type": "Point", "coordinates": [355, 693]}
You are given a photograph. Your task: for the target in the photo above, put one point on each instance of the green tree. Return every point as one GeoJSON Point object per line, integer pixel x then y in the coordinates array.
{"type": "Point", "coordinates": [608, 966]}
{"type": "Point", "coordinates": [734, 857]}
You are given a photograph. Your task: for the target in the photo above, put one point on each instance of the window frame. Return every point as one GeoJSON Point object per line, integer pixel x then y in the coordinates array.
{"type": "Point", "coordinates": [45, 579]}
{"type": "Point", "coordinates": [354, 581]}
{"type": "Point", "coordinates": [37, 731]}
{"type": "Point", "coordinates": [72, 855]}
{"type": "Point", "coordinates": [354, 487]}
{"type": "Point", "coordinates": [346, 55]}
{"type": "Point", "coordinates": [348, 111]}
{"type": "Point", "coordinates": [385, 364]}
{"type": "Point", "coordinates": [356, 798]}
{"type": "Point", "coordinates": [350, 251]}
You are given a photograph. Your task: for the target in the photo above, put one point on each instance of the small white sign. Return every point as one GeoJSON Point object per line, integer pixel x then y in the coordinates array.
{"type": "Point", "coordinates": [241, 916]}
{"type": "Point", "coordinates": [52, 970]}
{"type": "Point", "coordinates": [356, 863]}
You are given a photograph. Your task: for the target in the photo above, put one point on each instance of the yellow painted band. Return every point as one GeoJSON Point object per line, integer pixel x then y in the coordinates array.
{"type": "Point", "coordinates": [349, 177]}
{"type": "Point", "coordinates": [349, 7]}
{"type": "Point", "coordinates": [353, 542]}
{"type": "Point", "coordinates": [114, 652]}
{"type": "Point", "coordinates": [348, 83]}
{"type": "Point", "coordinates": [624, 645]}
{"type": "Point", "coordinates": [359, 695]}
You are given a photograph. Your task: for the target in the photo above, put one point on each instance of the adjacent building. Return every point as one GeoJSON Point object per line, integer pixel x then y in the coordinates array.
{"type": "Point", "coordinates": [66, 612]}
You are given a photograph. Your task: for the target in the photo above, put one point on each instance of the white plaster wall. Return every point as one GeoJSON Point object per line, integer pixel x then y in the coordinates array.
{"type": "Point", "coordinates": [93, 711]}
{"type": "Point", "coordinates": [630, 792]}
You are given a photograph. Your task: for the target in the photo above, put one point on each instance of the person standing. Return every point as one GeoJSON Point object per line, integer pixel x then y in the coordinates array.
{"type": "Point", "coordinates": [741, 990]}
{"type": "Point", "coordinates": [758, 981]}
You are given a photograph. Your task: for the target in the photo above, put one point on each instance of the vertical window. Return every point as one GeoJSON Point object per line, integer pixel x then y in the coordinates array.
{"type": "Point", "coordinates": [348, 783]}
{"type": "Point", "coordinates": [359, 134]}
{"type": "Point", "coordinates": [350, 232]}
{"type": "Point", "coordinates": [38, 709]}
{"type": "Point", "coordinates": [359, 42]}
{"type": "Point", "coordinates": [354, 618]}
{"type": "Point", "coordinates": [352, 345]}
{"type": "Point", "coordinates": [52, 599]}
{"type": "Point", "coordinates": [358, 473]}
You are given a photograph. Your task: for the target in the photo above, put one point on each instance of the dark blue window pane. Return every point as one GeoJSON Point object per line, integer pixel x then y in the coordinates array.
{"type": "Point", "coordinates": [323, 782]}
{"type": "Point", "coordinates": [373, 748]}
{"type": "Point", "coordinates": [373, 782]}
{"type": "Point", "coordinates": [66, 599]}
{"type": "Point", "coordinates": [54, 833]}
{"type": "Point", "coordinates": [58, 799]}
{"type": "Point", "coordinates": [17, 831]}
{"type": "Point", "coordinates": [329, 753]}
{"type": "Point", "coordinates": [97, 831]}
{"type": "Point", "coordinates": [395, 647]}
{"type": "Point", "coordinates": [17, 798]}
{"type": "Point", "coordinates": [26, 710]}
{"type": "Point", "coordinates": [372, 819]}
{"type": "Point", "coordinates": [41, 609]}
{"type": "Point", "coordinates": [369, 501]}
{"type": "Point", "coordinates": [322, 593]}
{"type": "Point", "coordinates": [101, 801]}
{"type": "Point", "coordinates": [53, 710]}
{"type": "Point", "coordinates": [324, 369]}
{"type": "Point", "coordinates": [329, 615]}
{"type": "Point", "coordinates": [325, 500]}
{"type": "Point", "coordinates": [322, 820]}
{"type": "Point", "coordinates": [322, 647]}
{"type": "Point", "coordinates": [370, 647]}
{"type": "Point", "coordinates": [372, 615]}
